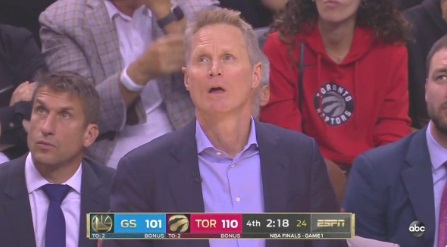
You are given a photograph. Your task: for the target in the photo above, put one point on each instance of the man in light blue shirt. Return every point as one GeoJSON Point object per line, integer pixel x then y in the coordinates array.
{"type": "Point", "coordinates": [224, 161]}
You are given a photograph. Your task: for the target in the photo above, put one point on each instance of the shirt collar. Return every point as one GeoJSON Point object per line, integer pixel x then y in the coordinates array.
{"type": "Point", "coordinates": [34, 179]}
{"type": "Point", "coordinates": [438, 154]}
{"type": "Point", "coordinates": [203, 142]}
{"type": "Point", "coordinates": [113, 11]}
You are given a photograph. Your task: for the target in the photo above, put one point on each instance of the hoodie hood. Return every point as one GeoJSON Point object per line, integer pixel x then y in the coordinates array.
{"type": "Point", "coordinates": [362, 43]}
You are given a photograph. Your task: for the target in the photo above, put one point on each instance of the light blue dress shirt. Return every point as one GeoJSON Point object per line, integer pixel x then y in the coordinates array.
{"type": "Point", "coordinates": [231, 185]}
{"type": "Point", "coordinates": [438, 156]}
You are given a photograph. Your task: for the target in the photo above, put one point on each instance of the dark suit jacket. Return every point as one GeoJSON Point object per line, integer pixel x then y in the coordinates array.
{"type": "Point", "coordinates": [164, 176]}
{"type": "Point", "coordinates": [20, 60]}
{"type": "Point", "coordinates": [389, 188]}
{"type": "Point", "coordinates": [16, 225]}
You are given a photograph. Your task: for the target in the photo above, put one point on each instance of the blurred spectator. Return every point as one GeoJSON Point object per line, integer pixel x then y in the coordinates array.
{"type": "Point", "coordinates": [406, 4]}
{"type": "Point", "coordinates": [403, 185]}
{"type": "Point", "coordinates": [275, 5]}
{"type": "Point", "coordinates": [131, 50]}
{"type": "Point", "coordinates": [325, 61]}
{"type": "Point", "coordinates": [428, 25]}
{"type": "Point", "coordinates": [20, 63]}
{"type": "Point", "coordinates": [24, 13]}
{"type": "Point", "coordinates": [45, 195]}
{"type": "Point", "coordinates": [253, 11]}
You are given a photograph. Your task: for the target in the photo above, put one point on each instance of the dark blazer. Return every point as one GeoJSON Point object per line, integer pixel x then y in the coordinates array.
{"type": "Point", "coordinates": [427, 26]}
{"type": "Point", "coordinates": [164, 176]}
{"type": "Point", "coordinates": [389, 188]}
{"type": "Point", "coordinates": [20, 60]}
{"type": "Point", "coordinates": [16, 225]}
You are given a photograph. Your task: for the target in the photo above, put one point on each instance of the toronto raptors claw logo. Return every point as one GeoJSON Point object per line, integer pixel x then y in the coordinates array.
{"type": "Point", "coordinates": [334, 104]}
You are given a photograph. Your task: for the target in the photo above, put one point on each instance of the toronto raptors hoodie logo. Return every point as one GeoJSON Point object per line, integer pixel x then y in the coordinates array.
{"type": "Point", "coordinates": [334, 104]}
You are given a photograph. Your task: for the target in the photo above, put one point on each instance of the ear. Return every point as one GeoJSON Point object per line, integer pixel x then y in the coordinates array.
{"type": "Point", "coordinates": [265, 95]}
{"type": "Point", "coordinates": [426, 87]}
{"type": "Point", "coordinates": [90, 134]}
{"type": "Point", "coordinates": [185, 78]}
{"type": "Point", "coordinates": [257, 75]}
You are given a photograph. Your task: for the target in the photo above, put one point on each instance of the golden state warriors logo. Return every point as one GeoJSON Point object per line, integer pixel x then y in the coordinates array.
{"type": "Point", "coordinates": [178, 223]}
{"type": "Point", "coordinates": [102, 223]}
{"type": "Point", "coordinates": [334, 104]}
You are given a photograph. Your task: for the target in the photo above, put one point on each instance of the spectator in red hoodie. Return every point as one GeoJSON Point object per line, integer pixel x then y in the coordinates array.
{"type": "Point", "coordinates": [351, 60]}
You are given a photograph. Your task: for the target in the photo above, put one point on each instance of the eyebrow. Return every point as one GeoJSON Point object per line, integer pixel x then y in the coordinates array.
{"type": "Point", "coordinates": [441, 70]}
{"type": "Point", "coordinates": [68, 108]}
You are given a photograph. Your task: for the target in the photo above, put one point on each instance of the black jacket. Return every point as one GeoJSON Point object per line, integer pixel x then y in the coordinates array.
{"type": "Point", "coordinates": [427, 27]}
{"type": "Point", "coordinates": [20, 60]}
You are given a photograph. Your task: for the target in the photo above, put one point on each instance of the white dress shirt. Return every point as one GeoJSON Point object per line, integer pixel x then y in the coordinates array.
{"type": "Point", "coordinates": [3, 158]}
{"type": "Point", "coordinates": [134, 36]}
{"type": "Point", "coordinates": [71, 206]}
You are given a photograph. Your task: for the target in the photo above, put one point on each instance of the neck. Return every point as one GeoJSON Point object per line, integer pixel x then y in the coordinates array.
{"type": "Point", "coordinates": [440, 137]}
{"type": "Point", "coordinates": [127, 7]}
{"type": "Point", "coordinates": [337, 37]}
{"type": "Point", "coordinates": [227, 134]}
{"type": "Point", "coordinates": [59, 173]}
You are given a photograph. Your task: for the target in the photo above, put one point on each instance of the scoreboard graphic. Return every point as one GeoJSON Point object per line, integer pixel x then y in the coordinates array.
{"type": "Point", "coordinates": [220, 226]}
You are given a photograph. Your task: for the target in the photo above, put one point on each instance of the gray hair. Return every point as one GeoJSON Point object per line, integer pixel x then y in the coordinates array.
{"type": "Point", "coordinates": [223, 16]}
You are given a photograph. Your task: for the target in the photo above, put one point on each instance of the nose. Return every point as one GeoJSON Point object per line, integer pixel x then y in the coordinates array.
{"type": "Point", "coordinates": [49, 125]}
{"type": "Point", "coordinates": [215, 69]}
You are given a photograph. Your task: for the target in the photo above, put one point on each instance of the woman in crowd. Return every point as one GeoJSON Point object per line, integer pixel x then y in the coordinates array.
{"type": "Point", "coordinates": [339, 74]}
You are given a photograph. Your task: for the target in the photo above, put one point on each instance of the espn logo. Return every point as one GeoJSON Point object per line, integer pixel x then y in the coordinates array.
{"type": "Point", "coordinates": [330, 223]}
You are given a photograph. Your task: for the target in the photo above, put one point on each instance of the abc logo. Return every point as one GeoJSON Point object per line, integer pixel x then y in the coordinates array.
{"type": "Point", "coordinates": [417, 228]}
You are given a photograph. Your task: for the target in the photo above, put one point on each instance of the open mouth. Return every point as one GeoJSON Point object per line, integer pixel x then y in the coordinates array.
{"type": "Point", "coordinates": [216, 90]}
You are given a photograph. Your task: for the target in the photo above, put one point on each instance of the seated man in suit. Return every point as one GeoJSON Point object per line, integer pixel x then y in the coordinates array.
{"type": "Point", "coordinates": [402, 185]}
{"type": "Point", "coordinates": [45, 195]}
{"type": "Point", "coordinates": [223, 161]}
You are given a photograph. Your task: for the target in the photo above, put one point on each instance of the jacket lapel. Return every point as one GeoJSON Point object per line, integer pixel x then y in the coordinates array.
{"type": "Point", "coordinates": [92, 200]}
{"type": "Point", "coordinates": [184, 176]}
{"type": "Point", "coordinates": [418, 181]}
{"type": "Point", "coordinates": [105, 36]}
{"type": "Point", "coordinates": [18, 207]}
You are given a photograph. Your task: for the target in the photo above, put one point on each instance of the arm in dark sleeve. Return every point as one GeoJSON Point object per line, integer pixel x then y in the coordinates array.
{"type": "Point", "coordinates": [12, 130]}
{"type": "Point", "coordinates": [322, 195]}
{"type": "Point", "coordinates": [128, 195]}
{"type": "Point", "coordinates": [366, 201]}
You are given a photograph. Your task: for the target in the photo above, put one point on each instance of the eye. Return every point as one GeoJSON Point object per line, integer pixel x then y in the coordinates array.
{"type": "Point", "coordinates": [41, 110]}
{"type": "Point", "coordinates": [65, 114]}
{"type": "Point", "coordinates": [441, 77]}
{"type": "Point", "coordinates": [228, 57]}
{"type": "Point", "coordinates": [202, 59]}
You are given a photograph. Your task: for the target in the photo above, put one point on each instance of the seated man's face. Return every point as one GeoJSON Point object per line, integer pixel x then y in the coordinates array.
{"type": "Point", "coordinates": [219, 75]}
{"type": "Point", "coordinates": [58, 131]}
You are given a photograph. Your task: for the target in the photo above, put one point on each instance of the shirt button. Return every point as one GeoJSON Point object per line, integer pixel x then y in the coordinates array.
{"type": "Point", "coordinates": [238, 200]}
{"type": "Point", "coordinates": [219, 153]}
{"type": "Point", "coordinates": [233, 165]}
